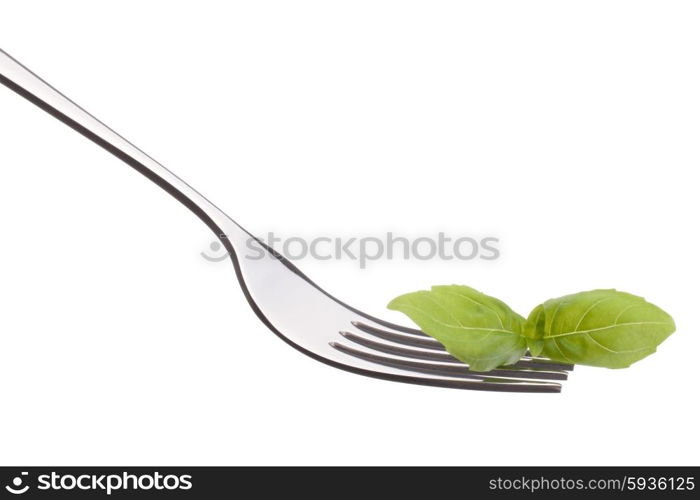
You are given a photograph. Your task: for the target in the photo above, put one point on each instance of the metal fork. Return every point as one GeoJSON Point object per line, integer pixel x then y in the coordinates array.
{"type": "Point", "coordinates": [286, 301]}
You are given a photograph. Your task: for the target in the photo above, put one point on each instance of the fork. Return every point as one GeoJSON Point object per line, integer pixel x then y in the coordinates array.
{"type": "Point", "coordinates": [286, 301]}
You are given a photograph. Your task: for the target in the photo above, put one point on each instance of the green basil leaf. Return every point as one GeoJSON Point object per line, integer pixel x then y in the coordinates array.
{"type": "Point", "coordinates": [599, 328]}
{"type": "Point", "coordinates": [479, 330]}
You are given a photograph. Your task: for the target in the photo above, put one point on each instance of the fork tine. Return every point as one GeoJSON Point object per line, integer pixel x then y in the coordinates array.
{"type": "Point", "coordinates": [441, 356]}
{"type": "Point", "coordinates": [431, 355]}
{"type": "Point", "coordinates": [400, 338]}
{"type": "Point", "coordinates": [448, 370]}
{"type": "Point", "coordinates": [462, 379]}
{"type": "Point", "coordinates": [416, 338]}
{"type": "Point", "coordinates": [545, 363]}
{"type": "Point", "coordinates": [399, 328]}
{"type": "Point", "coordinates": [425, 342]}
{"type": "Point", "coordinates": [396, 328]}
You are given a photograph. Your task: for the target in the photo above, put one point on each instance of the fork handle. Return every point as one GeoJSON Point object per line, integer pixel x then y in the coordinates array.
{"type": "Point", "coordinates": [21, 80]}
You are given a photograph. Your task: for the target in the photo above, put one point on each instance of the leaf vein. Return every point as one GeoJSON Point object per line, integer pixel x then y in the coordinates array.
{"type": "Point", "coordinates": [583, 316]}
{"type": "Point", "coordinates": [498, 316]}
{"type": "Point", "coordinates": [459, 325]}
{"type": "Point", "coordinates": [624, 310]}
{"type": "Point", "coordinates": [602, 328]}
{"type": "Point", "coordinates": [551, 323]}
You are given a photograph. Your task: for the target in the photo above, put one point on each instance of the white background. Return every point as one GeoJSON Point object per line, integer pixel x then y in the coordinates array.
{"type": "Point", "coordinates": [567, 129]}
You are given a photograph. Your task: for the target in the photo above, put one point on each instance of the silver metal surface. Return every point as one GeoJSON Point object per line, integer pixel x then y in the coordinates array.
{"type": "Point", "coordinates": [285, 300]}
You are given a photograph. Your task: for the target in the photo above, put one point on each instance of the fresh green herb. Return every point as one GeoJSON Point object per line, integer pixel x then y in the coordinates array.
{"type": "Point", "coordinates": [480, 330]}
{"type": "Point", "coordinates": [599, 328]}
